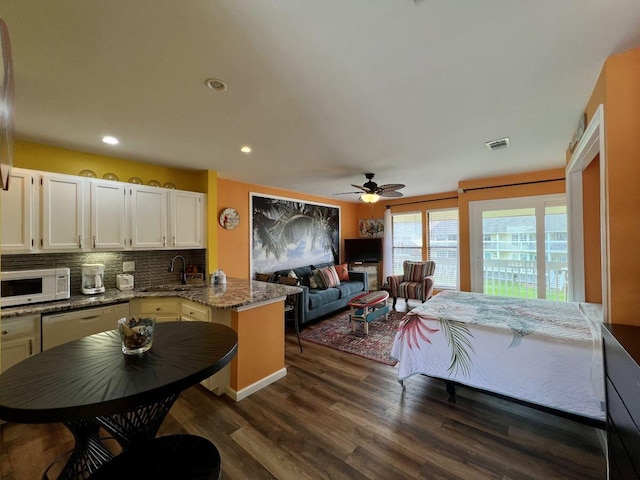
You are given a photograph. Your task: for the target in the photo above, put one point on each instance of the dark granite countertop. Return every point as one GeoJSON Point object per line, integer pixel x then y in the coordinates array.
{"type": "Point", "coordinates": [235, 293]}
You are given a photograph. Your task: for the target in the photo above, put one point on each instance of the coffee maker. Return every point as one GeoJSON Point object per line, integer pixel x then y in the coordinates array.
{"type": "Point", "coordinates": [92, 278]}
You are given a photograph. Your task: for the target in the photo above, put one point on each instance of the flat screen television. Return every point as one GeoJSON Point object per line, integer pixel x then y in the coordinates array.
{"type": "Point", "coordinates": [362, 250]}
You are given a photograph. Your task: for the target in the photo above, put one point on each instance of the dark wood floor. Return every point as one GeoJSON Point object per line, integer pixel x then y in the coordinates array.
{"type": "Point", "coordinates": [338, 416]}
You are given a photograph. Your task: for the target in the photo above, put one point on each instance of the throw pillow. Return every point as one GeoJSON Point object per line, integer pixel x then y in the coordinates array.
{"type": "Point", "coordinates": [343, 272]}
{"type": "Point", "coordinates": [329, 277]}
{"type": "Point", "coordinates": [313, 280]}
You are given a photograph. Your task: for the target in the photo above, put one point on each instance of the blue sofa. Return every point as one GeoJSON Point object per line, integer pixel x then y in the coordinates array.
{"type": "Point", "coordinates": [314, 303]}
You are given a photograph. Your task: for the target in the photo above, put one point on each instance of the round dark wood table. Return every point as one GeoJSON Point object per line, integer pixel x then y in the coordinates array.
{"type": "Point", "coordinates": [90, 383]}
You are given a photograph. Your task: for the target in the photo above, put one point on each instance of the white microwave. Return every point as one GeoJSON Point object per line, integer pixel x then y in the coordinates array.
{"type": "Point", "coordinates": [32, 286]}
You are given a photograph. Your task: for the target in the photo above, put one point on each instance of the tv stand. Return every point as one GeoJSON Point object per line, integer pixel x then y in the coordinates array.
{"type": "Point", "coordinates": [374, 271]}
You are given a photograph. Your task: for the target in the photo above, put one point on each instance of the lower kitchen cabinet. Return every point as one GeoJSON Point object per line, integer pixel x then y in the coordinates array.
{"type": "Point", "coordinates": [164, 309]}
{"type": "Point", "coordinates": [194, 312]}
{"type": "Point", "coordinates": [20, 339]}
{"type": "Point", "coordinates": [59, 328]}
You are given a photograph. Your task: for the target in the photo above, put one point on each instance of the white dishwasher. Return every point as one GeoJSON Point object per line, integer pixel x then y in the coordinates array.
{"type": "Point", "coordinates": [59, 328]}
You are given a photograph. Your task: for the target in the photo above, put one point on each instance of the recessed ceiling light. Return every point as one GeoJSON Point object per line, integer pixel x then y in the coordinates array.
{"type": "Point", "coordinates": [216, 84]}
{"type": "Point", "coordinates": [110, 140]}
{"type": "Point", "coordinates": [245, 149]}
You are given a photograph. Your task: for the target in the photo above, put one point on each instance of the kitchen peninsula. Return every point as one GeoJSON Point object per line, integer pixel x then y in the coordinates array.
{"type": "Point", "coordinates": [255, 310]}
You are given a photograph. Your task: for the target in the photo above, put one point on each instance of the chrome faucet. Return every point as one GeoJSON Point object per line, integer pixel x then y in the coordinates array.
{"type": "Point", "coordinates": [183, 277]}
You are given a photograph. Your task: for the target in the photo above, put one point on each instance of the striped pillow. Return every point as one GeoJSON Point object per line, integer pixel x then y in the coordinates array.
{"type": "Point", "coordinates": [329, 276]}
{"type": "Point", "coordinates": [414, 272]}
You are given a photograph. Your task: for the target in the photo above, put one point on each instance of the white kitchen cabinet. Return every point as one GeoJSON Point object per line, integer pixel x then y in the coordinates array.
{"type": "Point", "coordinates": [47, 212]}
{"type": "Point", "coordinates": [108, 211]}
{"type": "Point", "coordinates": [148, 209]}
{"type": "Point", "coordinates": [20, 339]}
{"type": "Point", "coordinates": [18, 213]}
{"type": "Point", "coordinates": [186, 219]}
{"type": "Point", "coordinates": [62, 212]}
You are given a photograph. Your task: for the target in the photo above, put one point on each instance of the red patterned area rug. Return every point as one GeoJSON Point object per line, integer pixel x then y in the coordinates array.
{"type": "Point", "coordinates": [335, 332]}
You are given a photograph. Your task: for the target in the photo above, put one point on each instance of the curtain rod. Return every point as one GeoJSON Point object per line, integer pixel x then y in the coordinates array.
{"type": "Point", "coordinates": [478, 188]}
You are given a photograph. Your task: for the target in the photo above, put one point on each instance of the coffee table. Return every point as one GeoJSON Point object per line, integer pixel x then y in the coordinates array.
{"type": "Point", "coordinates": [367, 307]}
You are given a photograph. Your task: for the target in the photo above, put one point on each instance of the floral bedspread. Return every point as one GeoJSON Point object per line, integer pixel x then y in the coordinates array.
{"type": "Point", "coordinates": [546, 353]}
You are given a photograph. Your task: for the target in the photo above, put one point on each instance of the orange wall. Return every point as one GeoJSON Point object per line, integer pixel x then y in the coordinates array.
{"type": "Point", "coordinates": [233, 245]}
{"type": "Point", "coordinates": [544, 182]}
{"type": "Point", "coordinates": [496, 188]}
{"type": "Point", "coordinates": [591, 224]}
{"type": "Point", "coordinates": [261, 351]}
{"type": "Point", "coordinates": [622, 147]}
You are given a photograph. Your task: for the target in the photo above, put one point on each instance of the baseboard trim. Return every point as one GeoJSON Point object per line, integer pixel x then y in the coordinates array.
{"type": "Point", "coordinates": [245, 392]}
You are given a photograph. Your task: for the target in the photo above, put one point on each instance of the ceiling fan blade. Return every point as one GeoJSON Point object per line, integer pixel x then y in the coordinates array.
{"type": "Point", "coordinates": [360, 187]}
{"type": "Point", "coordinates": [391, 186]}
{"type": "Point", "coordinates": [347, 193]}
{"type": "Point", "coordinates": [390, 194]}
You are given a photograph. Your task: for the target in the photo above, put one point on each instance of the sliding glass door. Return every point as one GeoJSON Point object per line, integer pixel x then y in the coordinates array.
{"type": "Point", "coordinates": [519, 247]}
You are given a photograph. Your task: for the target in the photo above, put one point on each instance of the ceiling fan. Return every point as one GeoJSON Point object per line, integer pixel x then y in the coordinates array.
{"type": "Point", "coordinates": [370, 190]}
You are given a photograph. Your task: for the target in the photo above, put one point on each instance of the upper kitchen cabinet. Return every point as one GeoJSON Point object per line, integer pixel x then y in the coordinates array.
{"type": "Point", "coordinates": [62, 212]}
{"type": "Point", "coordinates": [68, 213]}
{"type": "Point", "coordinates": [148, 217]}
{"type": "Point", "coordinates": [18, 213]}
{"type": "Point", "coordinates": [186, 219]}
{"type": "Point", "coordinates": [108, 211]}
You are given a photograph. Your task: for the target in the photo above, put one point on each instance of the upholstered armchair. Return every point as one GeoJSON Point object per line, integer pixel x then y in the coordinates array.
{"type": "Point", "coordinates": [415, 282]}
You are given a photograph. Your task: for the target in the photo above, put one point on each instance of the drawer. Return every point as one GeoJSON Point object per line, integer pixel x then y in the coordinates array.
{"type": "Point", "coordinates": [624, 373]}
{"type": "Point", "coordinates": [19, 326]}
{"type": "Point", "coordinates": [195, 311]}
{"type": "Point", "coordinates": [624, 436]}
{"type": "Point", "coordinates": [158, 306]}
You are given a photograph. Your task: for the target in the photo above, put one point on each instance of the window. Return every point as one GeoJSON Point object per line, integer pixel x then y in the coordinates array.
{"type": "Point", "coordinates": [406, 237]}
{"type": "Point", "coordinates": [442, 238]}
{"type": "Point", "coordinates": [519, 247]}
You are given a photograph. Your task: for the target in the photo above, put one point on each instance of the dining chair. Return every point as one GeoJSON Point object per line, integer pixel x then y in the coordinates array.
{"type": "Point", "coordinates": [291, 305]}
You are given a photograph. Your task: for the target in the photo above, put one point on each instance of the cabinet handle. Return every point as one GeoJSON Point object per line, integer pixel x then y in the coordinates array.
{"type": "Point", "coordinates": [5, 332]}
{"type": "Point", "coordinates": [174, 240]}
{"type": "Point", "coordinates": [94, 241]}
{"type": "Point", "coordinates": [30, 347]}
{"type": "Point", "coordinates": [79, 241]}
{"type": "Point", "coordinates": [157, 309]}
{"type": "Point", "coordinates": [164, 240]}
{"type": "Point", "coordinates": [191, 313]}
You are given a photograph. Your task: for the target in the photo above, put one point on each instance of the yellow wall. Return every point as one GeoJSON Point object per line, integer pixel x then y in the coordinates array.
{"type": "Point", "coordinates": [233, 245]}
{"type": "Point", "coordinates": [46, 158]}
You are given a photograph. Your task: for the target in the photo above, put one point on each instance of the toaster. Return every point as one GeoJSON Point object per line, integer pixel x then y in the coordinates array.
{"type": "Point", "coordinates": [124, 281]}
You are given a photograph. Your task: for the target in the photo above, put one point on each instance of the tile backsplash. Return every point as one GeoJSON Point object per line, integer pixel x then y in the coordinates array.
{"type": "Point", "coordinates": [151, 267]}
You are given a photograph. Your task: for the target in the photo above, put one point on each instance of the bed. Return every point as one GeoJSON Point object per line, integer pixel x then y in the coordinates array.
{"type": "Point", "coordinates": [542, 353]}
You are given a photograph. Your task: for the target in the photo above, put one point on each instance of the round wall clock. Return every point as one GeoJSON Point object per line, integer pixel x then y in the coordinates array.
{"type": "Point", "coordinates": [229, 218]}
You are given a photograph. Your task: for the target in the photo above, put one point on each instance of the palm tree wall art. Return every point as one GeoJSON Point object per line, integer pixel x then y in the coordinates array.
{"type": "Point", "coordinates": [288, 233]}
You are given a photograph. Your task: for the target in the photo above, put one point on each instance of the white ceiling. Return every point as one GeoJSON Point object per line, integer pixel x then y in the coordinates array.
{"type": "Point", "coordinates": [323, 91]}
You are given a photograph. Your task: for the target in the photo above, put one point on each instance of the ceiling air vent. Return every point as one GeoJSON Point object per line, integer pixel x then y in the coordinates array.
{"type": "Point", "coordinates": [496, 144]}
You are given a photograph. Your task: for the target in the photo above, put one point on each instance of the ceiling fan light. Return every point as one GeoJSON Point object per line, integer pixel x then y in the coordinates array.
{"type": "Point", "coordinates": [370, 197]}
